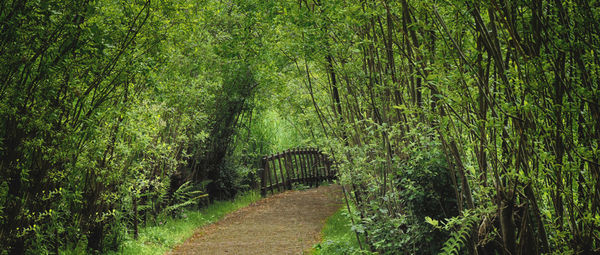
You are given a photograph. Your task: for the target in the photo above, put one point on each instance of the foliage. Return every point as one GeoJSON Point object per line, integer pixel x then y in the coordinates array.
{"type": "Point", "coordinates": [459, 238]}
{"type": "Point", "coordinates": [103, 103]}
{"type": "Point", "coordinates": [184, 197]}
{"type": "Point", "coordinates": [395, 222]}
{"type": "Point", "coordinates": [426, 191]}
{"type": "Point", "coordinates": [507, 89]}
{"type": "Point", "coordinates": [105, 107]}
{"type": "Point", "coordinates": [338, 237]}
{"type": "Point", "coordinates": [169, 231]}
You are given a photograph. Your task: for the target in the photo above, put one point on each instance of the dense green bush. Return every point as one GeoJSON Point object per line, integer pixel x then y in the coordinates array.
{"type": "Point", "coordinates": [425, 183]}
{"type": "Point", "coordinates": [424, 189]}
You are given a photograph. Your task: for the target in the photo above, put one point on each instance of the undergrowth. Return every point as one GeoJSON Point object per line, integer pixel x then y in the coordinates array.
{"type": "Point", "coordinates": [338, 237]}
{"type": "Point", "coordinates": [169, 232]}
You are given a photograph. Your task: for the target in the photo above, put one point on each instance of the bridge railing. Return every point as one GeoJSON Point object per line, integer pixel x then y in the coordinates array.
{"type": "Point", "coordinates": [307, 166]}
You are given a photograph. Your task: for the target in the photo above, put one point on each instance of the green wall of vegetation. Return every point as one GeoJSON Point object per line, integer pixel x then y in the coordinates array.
{"type": "Point", "coordinates": [457, 126]}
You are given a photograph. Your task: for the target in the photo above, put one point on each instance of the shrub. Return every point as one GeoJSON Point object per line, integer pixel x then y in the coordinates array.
{"type": "Point", "coordinates": [423, 189]}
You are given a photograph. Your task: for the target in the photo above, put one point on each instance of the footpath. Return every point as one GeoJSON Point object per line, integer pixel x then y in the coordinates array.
{"type": "Point", "coordinates": [285, 223]}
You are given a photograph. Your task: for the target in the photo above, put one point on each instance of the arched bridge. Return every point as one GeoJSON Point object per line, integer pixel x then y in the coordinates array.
{"type": "Point", "coordinates": [307, 166]}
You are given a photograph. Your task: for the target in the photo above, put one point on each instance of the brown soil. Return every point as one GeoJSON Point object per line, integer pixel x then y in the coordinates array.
{"type": "Point", "coordinates": [285, 223]}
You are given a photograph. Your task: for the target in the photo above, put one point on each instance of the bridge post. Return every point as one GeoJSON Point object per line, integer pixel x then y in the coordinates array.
{"type": "Point", "coordinates": [304, 167]}
{"type": "Point", "coordinates": [300, 156]}
{"type": "Point", "coordinates": [295, 165]}
{"type": "Point", "coordinates": [263, 177]}
{"type": "Point", "coordinates": [315, 166]}
{"type": "Point", "coordinates": [288, 168]}
{"type": "Point", "coordinates": [309, 167]}
{"type": "Point", "coordinates": [283, 182]}
{"type": "Point", "coordinates": [327, 167]}
{"type": "Point", "coordinates": [320, 166]}
{"type": "Point", "coordinates": [273, 185]}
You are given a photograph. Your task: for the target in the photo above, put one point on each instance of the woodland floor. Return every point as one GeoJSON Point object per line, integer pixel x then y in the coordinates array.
{"type": "Point", "coordinates": [285, 223]}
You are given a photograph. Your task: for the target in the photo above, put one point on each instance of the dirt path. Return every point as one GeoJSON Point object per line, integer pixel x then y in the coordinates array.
{"type": "Point", "coordinates": [286, 223]}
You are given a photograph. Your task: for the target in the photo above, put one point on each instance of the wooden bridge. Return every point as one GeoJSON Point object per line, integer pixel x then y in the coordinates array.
{"type": "Point", "coordinates": [307, 166]}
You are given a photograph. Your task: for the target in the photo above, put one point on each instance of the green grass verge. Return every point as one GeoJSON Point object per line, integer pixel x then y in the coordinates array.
{"type": "Point", "coordinates": [164, 237]}
{"type": "Point", "coordinates": [338, 237]}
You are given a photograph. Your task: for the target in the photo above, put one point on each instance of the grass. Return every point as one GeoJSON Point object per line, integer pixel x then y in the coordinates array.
{"type": "Point", "coordinates": [164, 237]}
{"type": "Point", "coordinates": [338, 237]}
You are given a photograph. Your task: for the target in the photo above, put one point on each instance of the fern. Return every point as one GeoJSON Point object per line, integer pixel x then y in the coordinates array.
{"type": "Point", "coordinates": [184, 196]}
{"type": "Point", "coordinates": [459, 237]}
